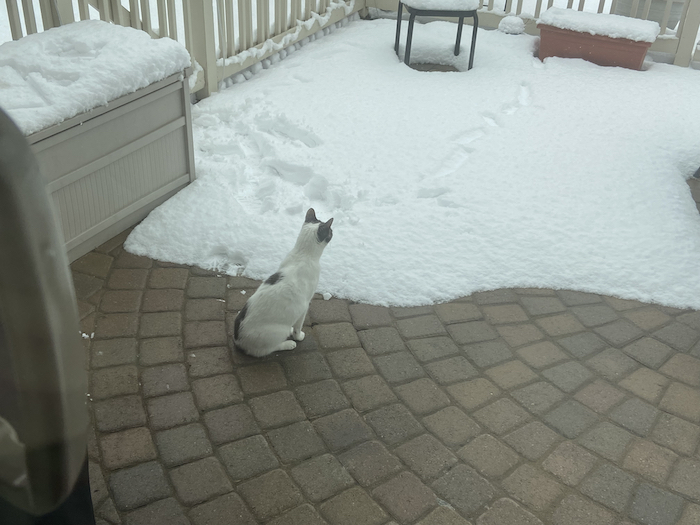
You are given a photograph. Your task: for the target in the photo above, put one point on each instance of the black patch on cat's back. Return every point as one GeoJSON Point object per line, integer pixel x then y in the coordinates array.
{"type": "Point", "coordinates": [239, 320]}
{"type": "Point", "coordinates": [274, 278]}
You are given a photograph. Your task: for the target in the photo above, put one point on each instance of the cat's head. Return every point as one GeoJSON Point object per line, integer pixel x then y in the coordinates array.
{"type": "Point", "coordinates": [324, 233]}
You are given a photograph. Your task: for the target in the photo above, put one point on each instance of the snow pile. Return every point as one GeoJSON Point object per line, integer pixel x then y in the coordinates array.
{"type": "Point", "coordinates": [517, 173]}
{"type": "Point", "coordinates": [48, 77]}
{"type": "Point", "coordinates": [512, 25]}
{"type": "Point", "coordinates": [613, 26]}
{"type": "Point", "coordinates": [444, 5]}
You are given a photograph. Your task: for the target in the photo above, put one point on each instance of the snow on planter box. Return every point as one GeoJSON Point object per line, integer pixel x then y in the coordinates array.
{"type": "Point", "coordinates": [606, 40]}
{"type": "Point", "coordinates": [106, 109]}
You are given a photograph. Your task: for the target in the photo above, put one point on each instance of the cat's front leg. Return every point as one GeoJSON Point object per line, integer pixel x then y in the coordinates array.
{"type": "Point", "coordinates": [297, 333]}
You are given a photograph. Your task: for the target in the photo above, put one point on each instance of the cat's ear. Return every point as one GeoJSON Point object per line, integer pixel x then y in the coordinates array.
{"type": "Point", "coordinates": [325, 234]}
{"type": "Point", "coordinates": [311, 216]}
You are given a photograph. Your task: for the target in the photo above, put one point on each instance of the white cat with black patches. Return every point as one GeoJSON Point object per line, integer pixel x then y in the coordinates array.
{"type": "Point", "coordinates": [278, 307]}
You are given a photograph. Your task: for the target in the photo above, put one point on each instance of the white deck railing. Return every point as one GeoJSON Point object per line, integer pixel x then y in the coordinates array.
{"type": "Point", "coordinates": [227, 36]}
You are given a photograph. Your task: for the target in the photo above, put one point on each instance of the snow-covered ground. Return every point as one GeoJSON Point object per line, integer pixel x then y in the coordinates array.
{"type": "Point", "coordinates": [514, 174]}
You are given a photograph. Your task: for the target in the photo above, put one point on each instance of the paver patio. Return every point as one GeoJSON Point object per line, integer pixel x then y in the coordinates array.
{"type": "Point", "coordinates": [510, 407]}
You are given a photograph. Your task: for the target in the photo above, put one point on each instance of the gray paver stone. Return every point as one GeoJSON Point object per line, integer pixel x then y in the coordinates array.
{"type": "Point", "coordinates": [368, 392]}
{"type": "Point", "coordinates": [370, 462]}
{"type": "Point", "coordinates": [171, 410]}
{"type": "Point", "coordinates": [333, 310]}
{"type": "Point", "coordinates": [451, 488]}
{"type": "Point", "coordinates": [635, 415]}
{"type": "Point", "coordinates": [568, 376]}
{"type": "Point", "coordinates": [342, 429]}
{"type": "Point", "coordinates": [406, 497]}
{"type": "Point", "coordinates": [114, 381]}
{"type": "Point", "coordinates": [305, 368]}
{"type": "Point", "coordinates": [541, 355]}
{"type": "Point", "coordinates": [261, 378]}
{"type": "Point", "coordinates": [205, 310]}
{"type": "Point", "coordinates": [677, 335]}
{"type": "Point", "coordinates": [612, 364]}
{"type": "Point", "coordinates": [119, 413]}
{"type": "Point", "coordinates": [164, 379]}
{"type": "Point", "coordinates": [353, 507]}
{"type": "Point", "coordinates": [443, 516]}
{"type": "Point", "coordinates": [649, 352]}
{"type": "Point", "coordinates": [521, 334]}
{"type": "Point", "coordinates": [432, 348]}
{"type": "Point", "coordinates": [424, 326]}
{"type": "Point", "coordinates": [654, 506]}
{"type": "Point", "coordinates": [599, 396]}
{"type": "Point", "coordinates": [619, 333]}
{"type": "Point", "coordinates": [505, 511]}
{"type": "Point", "coordinates": [164, 512]}
{"type": "Point", "coordinates": [595, 315]}
{"type": "Point", "coordinates": [538, 397]}
{"type": "Point", "coordinates": [560, 324]}
{"type": "Point", "coordinates": [684, 368]}
{"type": "Point", "coordinates": [570, 463]}
{"type": "Point", "coordinates": [204, 362]}
{"type": "Point", "coordinates": [677, 434]}
{"type": "Point", "coordinates": [685, 478]}
{"type": "Point", "coordinates": [350, 363]}
{"type": "Point", "coordinates": [112, 352]}
{"type": "Point", "coordinates": [247, 457]}
{"type": "Point", "coordinates": [645, 383]}
{"type": "Point", "coordinates": [501, 416]}
{"type": "Point", "coordinates": [398, 367]}
{"type": "Point", "coordinates": [296, 442]}
{"type": "Point", "coordinates": [230, 423]}
{"type": "Point", "coordinates": [573, 298]}
{"type": "Point", "coordinates": [302, 515]}
{"type": "Point", "coordinates": [542, 305]}
{"type": "Point", "coordinates": [426, 456]}
{"type": "Point", "coordinates": [205, 333]}
{"type": "Point", "coordinates": [367, 316]}
{"type": "Point", "coordinates": [451, 370]}
{"type": "Point", "coordinates": [200, 480]}
{"type": "Point", "coordinates": [394, 424]}
{"type": "Point", "coordinates": [582, 345]}
{"type": "Point", "coordinates": [274, 410]}
{"type": "Point", "coordinates": [608, 440]}
{"type": "Point", "coordinates": [318, 399]}
{"type": "Point", "coordinates": [489, 456]}
{"type": "Point", "coordinates": [457, 312]}
{"type": "Point", "coordinates": [337, 335]}
{"type": "Point", "coordinates": [165, 300]}
{"type": "Point", "coordinates": [532, 440]}
{"type": "Point", "coordinates": [610, 486]}
{"type": "Point", "coordinates": [504, 314]}
{"type": "Point", "coordinates": [534, 488]}
{"type": "Point", "coordinates": [575, 510]}
{"type": "Point", "coordinates": [270, 494]}
{"type": "Point", "coordinates": [120, 301]}
{"type": "Point", "coordinates": [127, 279]}
{"type": "Point", "coordinates": [422, 396]}
{"type": "Point", "coordinates": [682, 401]}
{"type": "Point", "coordinates": [471, 332]}
{"type": "Point", "coordinates": [452, 426]}
{"type": "Point", "coordinates": [160, 324]}
{"type": "Point", "coordinates": [168, 278]}
{"type": "Point", "coordinates": [379, 341]}
{"type": "Point", "coordinates": [136, 486]}
{"type": "Point", "coordinates": [160, 350]}
{"type": "Point", "coordinates": [650, 460]}
{"type": "Point", "coordinates": [182, 444]}
{"type": "Point", "coordinates": [199, 287]}
{"type": "Point", "coordinates": [487, 354]}
{"type": "Point", "coordinates": [511, 374]}
{"type": "Point", "coordinates": [120, 449]}
{"type": "Point", "coordinates": [223, 510]}
{"type": "Point", "coordinates": [322, 477]}
{"type": "Point", "coordinates": [474, 393]}
{"type": "Point", "coordinates": [116, 325]}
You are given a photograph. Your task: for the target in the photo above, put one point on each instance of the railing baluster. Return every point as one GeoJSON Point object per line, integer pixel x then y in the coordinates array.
{"type": "Point", "coordinates": [83, 9]}
{"type": "Point", "coordinates": [581, 4]}
{"type": "Point", "coordinates": [245, 25]}
{"type": "Point", "coordinates": [172, 20]}
{"type": "Point", "coordinates": [29, 16]}
{"type": "Point", "coordinates": [221, 25]}
{"type": "Point", "coordinates": [230, 32]}
{"type": "Point", "coordinates": [280, 16]}
{"type": "Point", "coordinates": [162, 19]}
{"type": "Point", "coordinates": [601, 6]}
{"type": "Point", "coordinates": [263, 20]}
{"type": "Point", "coordinates": [538, 8]}
{"type": "Point", "coordinates": [667, 14]}
{"type": "Point", "coordinates": [15, 22]}
{"type": "Point", "coordinates": [296, 11]}
{"type": "Point", "coordinates": [307, 9]}
{"type": "Point", "coordinates": [519, 9]}
{"type": "Point", "coordinates": [134, 14]}
{"type": "Point", "coordinates": [104, 10]}
{"type": "Point", "coordinates": [146, 16]}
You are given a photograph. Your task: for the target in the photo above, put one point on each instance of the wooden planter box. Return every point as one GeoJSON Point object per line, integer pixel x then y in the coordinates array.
{"type": "Point", "coordinates": [106, 169]}
{"type": "Point", "coordinates": [601, 50]}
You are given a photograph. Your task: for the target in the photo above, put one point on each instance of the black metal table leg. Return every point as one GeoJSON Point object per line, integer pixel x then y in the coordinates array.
{"type": "Point", "coordinates": [473, 47]}
{"type": "Point", "coordinates": [459, 35]}
{"type": "Point", "coordinates": [398, 28]}
{"type": "Point", "coordinates": [409, 39]}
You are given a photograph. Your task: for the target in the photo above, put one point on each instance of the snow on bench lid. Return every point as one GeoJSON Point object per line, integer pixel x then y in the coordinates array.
{"type": "Point", "coordinates": [445, 5]}
{"type": "Point", "coordinates": [613, 26]}
{"type": "Point", "coordinates": [48, 77]}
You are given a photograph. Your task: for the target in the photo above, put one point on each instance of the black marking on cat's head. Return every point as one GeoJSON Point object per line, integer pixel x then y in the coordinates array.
{"type": "Point", "coordinates": [239, 320]}
{"type": "Point", "coordinates": [274, 278]}
{"type": "Point", "coordinates": [324, 233]}
{"type": "Point", "coordinates": [311, 216]}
